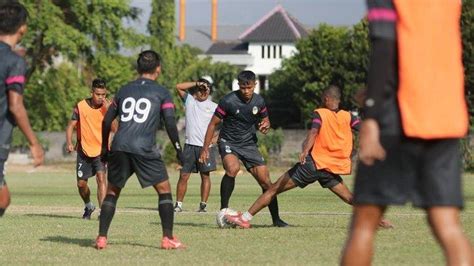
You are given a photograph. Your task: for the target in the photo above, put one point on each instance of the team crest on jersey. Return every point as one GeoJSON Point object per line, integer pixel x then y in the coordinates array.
{"type": "Point", "coordinates": [237, 112]}
{"type": "Point", "coordinates": [255, 110]}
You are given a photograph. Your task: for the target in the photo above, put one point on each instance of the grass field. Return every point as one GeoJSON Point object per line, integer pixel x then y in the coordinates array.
{"type": "Point", "coordinates": [43, 226]}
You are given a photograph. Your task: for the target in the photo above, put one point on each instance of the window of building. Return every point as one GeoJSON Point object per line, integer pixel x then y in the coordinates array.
{"type": "Point", "coordinates": [263, 51]}
{"type": "Point", "coordinates": [274, 51]}
{"type": "Point", "coordinates": [280, 52]}
{"type": "Point", "coordinates": [268, 51]}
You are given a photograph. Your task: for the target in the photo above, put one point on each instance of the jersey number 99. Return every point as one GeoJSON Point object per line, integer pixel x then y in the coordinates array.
{"type": "Point", "coordinates": [138, 110]}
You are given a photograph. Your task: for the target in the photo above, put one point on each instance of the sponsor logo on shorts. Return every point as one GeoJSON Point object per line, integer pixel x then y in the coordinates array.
{"type": "Point", "coordinates": [227, 149]}
{"type": "Point", "coordinates": [80, 173]}
{"type": "Point", "coordinates": [255, 110]}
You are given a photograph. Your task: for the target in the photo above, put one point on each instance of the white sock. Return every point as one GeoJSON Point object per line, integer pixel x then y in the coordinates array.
{"type": "Point", "coordinates": [247, 216]}
{"type": "Point", "coordinates": [180, 204]}
{"type": "Point", "coordinates": [89, 205]}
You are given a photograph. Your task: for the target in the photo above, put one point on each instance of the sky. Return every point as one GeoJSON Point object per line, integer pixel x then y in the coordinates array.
{"type": "Point", "coordinates": [247, 12]}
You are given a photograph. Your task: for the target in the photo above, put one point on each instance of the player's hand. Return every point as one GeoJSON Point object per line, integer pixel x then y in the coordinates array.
{"type": "Point", "coordinates": [303, 157]}
{"type": "Point", "coordinates": [70, 148]}
{"type": "Point", "coordinates": [180, 157]}
{"type": "Point", "coordinates": [37, 153]}
{"type": "Point", "coordinates": [264, 126]}
{"type": "Point", "coordinates": [369, 142]}
{"type": "Point", "coordinates": [204, 155]}
{"type": "Point", "coordinates": [104, 154]}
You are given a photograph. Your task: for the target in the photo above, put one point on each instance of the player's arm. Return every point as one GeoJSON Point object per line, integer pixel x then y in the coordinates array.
{"type": "Point", "coordinates": [182, 89]}
{"type": "Point", "coordinates": [109, 118]}
{"type": "Point", "coordinates": [264, 124]}
{"type": "Point", "coordinates": [308, 143]}
{"type": "Point", "coordinates": [382, 19]}
{"type": "Point", "coordinates": [168, 113]}
{"type": "Point", "coordinates": [70, 130]}
{"type": "Point", "coordinates": [17, 108]}
{"type": "Point", "coordinates": [210, 133]}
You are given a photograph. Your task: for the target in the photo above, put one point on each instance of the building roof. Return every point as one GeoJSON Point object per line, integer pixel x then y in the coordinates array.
{"type": "Point", "coordinates": [276, 26]}
{"type": "Point", "coordinates": [200, 36]}
{"type": "Point", "coordinates": [228, 48]}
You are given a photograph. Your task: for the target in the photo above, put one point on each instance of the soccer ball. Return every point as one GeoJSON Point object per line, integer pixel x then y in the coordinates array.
{"type": "Point", "coordinates": [222, 221]}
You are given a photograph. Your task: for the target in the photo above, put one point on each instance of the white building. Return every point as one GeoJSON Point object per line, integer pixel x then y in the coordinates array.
{"type": "Point", "coordinates": [262, 46]}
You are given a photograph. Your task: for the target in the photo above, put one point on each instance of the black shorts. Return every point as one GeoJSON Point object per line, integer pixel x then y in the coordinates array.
{"type": "Point", "coordinates": [305, 174]}
{"type": "Point", "coordinates": [191, 160]}
{"type": "Point", "coordinates": [247, 153]}
{"type": "Point", "coordinates": [150, 171]}
{"type": "Point", "coordinates": [3, 159]}
{"type": "Point", "coordinates": [425, 172]}
{"type": "Point", "coordinates": [88, 166]}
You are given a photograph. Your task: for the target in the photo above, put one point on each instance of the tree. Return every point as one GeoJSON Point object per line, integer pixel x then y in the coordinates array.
{"type": "Point", "coordinates": [467, 28]}
{"type": "Point", "coordinates": [162, 24]}
{"type": "Point", "coordinates": [327, 56]}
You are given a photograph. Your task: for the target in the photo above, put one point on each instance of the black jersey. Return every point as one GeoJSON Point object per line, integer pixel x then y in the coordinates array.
{"type": "Point", "coordinates": [240, 118]}
{"type": "Point", "coordinates": [12, 76]}
{"type": "Point", "coordinates": [139, 106]}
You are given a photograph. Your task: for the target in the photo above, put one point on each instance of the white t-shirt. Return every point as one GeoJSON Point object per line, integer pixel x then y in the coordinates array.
{"type": "Point", "coordinates": [198, 115]}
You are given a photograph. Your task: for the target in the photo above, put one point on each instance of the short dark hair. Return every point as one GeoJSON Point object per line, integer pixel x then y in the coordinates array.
{"type": "Point", "coordinates": [148, 61]}
{"type": "Point", "coordinates": [332, 91]}
{"type": "Point", "coordinates": [246, 76]}
{"type": "Point", "coordinates": [13, 15]}
{"type": "Point", "coordinates": [99, 83]}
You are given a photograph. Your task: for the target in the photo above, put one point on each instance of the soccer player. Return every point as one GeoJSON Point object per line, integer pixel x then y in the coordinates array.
{"type": "Point", "coordinates": [139, 106]}
{"type": "Point", "coordinates": [242, 113]}
{"type": "Point", "coordinates": [325, 156]}
{"type": "Point", "coordinates": [13, 18]}
{"type": "Point", "coordinates": [199, 110]}
{"type": "Point", "coordinates": [415, 114]}
{"type": "Point", "coordinates": [87, 116]}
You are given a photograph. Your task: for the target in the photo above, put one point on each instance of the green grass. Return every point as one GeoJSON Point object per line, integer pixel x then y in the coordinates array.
{"type": "Point", "coordinates": [43, 226]}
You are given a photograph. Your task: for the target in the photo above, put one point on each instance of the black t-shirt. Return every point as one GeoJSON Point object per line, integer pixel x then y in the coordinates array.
{"type": "Point", "coordinates": [12, 76]}
{"type": "Point", "coordinates": [240, 119]}
{"type": "Point", "coordinates": [139, 106]}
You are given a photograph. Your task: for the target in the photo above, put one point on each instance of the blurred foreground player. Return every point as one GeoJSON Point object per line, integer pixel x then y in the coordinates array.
{"type": "Point", "coordinates": [13, 18]}
{"type": "Point", "coordinates": [415, 115]}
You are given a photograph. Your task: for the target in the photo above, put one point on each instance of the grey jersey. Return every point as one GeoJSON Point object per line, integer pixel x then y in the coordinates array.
{"type": "Point", "coordinates": [240, 118]}
{"type": "Point", "coordinates": [198, 116]}
{"type": "Point", "coordinates": [12, 76]}
{"type": "Point", "coordinates": [140, 105]}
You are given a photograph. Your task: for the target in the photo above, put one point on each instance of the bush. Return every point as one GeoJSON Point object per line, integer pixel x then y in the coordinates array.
{"type": "Point", "coordinates": [20, 143]}
{"type": "Point", "coordinates": [169, 154]}
{"type": "Point", "coordinates": [467, 153]}
{"type": "Point", "coordinates": [271, 142]}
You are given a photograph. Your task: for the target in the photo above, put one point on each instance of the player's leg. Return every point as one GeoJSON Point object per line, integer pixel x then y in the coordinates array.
{"type": "Point", "coordinates": [84, 170]}
{"type": "Point", "coordinates": [100, 169]}
{"type": "Point", "coordinates": [359, 246]}
{"type": "Point", "coordinates": [232, 167]}
{"type": "Point", "coordinates": [4, 197]}
{"type": "Point", "coordinates": [181, 190]}
{"type": "Point", "coordinates": [205, 190]}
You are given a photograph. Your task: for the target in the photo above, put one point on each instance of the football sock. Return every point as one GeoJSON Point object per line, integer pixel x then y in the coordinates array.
{"type": "Point", "coordinates": [89, 205]}
{"type": "Point", "coordinates": [2, 211]}
{"type": "Point", "coordinates": [179, 204]}
{"type": "Point", "coordinates": [165, 208]}
{"type": "Point", "coordinates": [227, 187]}
{"type": "Point", "coordinates": [273, 207]}
{"type": "Point", "coordinates": [246, 216]}
{"type": "Point", "coordinates": [106, 214]}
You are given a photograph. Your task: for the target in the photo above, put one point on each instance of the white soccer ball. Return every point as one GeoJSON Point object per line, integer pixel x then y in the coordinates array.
{"type": "Point", "coordinates": [222, 221]}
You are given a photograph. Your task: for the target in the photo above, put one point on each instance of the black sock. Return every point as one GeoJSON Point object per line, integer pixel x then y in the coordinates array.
{"type": "Point", "coordinates": [2, 211]}
{"type": "Point", "coordinates": [273, 207]}
{"type": "Point", "coordinates": [107, 212]}
{"type": "Point", "coordinates": [165, 208]}
{"type": "Point", "coordinates": [227, 187]}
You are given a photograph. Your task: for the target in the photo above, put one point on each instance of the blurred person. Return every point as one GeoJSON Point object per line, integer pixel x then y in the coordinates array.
{"type": "Point", "coordinates": [415, 114]}
{"type": "Point", "coordinates": [325, 155]}
{"type": "Point", "coordinates": [13, 18]}
{"type": "Point", "coordinates": [198, 113]}
{"type": "Point", "coordinates": [87, 117]}
{"type": "Point", "coordinates": [242, 113]}
{"type": "Point", "coordinates": [140, 105]}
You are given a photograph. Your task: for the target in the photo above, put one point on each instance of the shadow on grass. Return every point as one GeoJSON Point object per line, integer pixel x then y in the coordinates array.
{"type": "Point", "coordinates": [53, 216]}
{"type": "Point", "coordinates": [213, 225]}
{"type": "Point", "coordinates": [87, 242]}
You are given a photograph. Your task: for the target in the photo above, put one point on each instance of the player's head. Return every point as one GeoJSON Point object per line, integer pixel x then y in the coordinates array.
{"type": "Point", "coordinates": [98, 91]}
{"type": "Point", "coordinates": [331, 97]}
{"type": "Point", "coordinates": [203, 89]}
{"type": "Point", "coordinates": [13, 18]}
{"type": "Point", "coordinates": [149, 62]}
{"type": "Point", "coordinates": [247, 82]}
